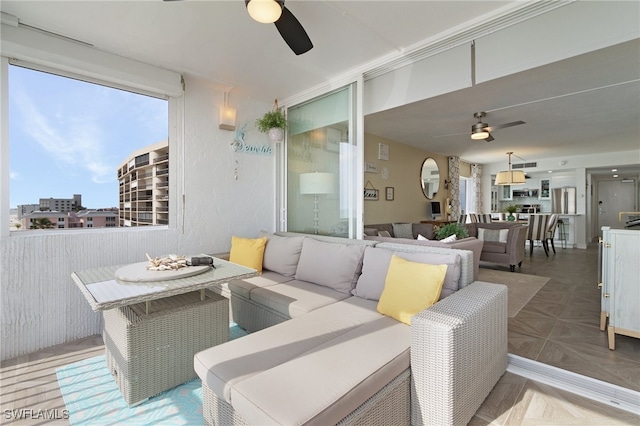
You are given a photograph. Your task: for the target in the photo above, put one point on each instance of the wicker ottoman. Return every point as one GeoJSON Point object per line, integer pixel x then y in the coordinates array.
{"type": "Point", "coordinates": [150, 353]}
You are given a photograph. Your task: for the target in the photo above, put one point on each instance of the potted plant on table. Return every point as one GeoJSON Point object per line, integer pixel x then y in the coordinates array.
{"type": "Point", "coordinates": [511, 209]}
{"type": "Point", "coordinates": [273, 123]}
{"type": "Point", "coordinates": [457, 229]}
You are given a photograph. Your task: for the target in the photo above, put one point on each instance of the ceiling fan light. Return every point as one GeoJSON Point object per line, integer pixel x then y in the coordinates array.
{"type": "Point", "coordinates": [264, 11]}
{"type": "Point", "coordinates": [479, 131]}
{"type": "Point", "coordinates": [479, 135]}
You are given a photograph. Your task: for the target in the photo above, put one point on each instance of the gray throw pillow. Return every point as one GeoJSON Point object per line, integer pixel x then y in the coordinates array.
{"type": "Point", "coordinates": [403, 230]}
{"type": "Point", "coordinates": [497, 235]}
{"type": "Point", "coordinates": [281, 254]}
{"type": "Point", "coordinates": [376, 263]}
{"type": "Point", "coordinates": [332, 265]}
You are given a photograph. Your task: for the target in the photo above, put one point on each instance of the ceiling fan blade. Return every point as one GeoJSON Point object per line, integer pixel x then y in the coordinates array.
{"type": "Point", "coordinates": [502, 126]}
{"type": "Point", "coordinates": [450, 134]}
{"type": "Point", "coordinates": [489, 138]}
{"type": "Point", "coordinates": [293, 33]}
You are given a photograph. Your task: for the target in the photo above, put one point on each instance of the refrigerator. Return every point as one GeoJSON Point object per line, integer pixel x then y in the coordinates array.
{"type": "Point", "coordinates": [563, 200]}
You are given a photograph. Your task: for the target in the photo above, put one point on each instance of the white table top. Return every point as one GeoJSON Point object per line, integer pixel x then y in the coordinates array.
{"type": "Point", "coordinates": [103, 291]}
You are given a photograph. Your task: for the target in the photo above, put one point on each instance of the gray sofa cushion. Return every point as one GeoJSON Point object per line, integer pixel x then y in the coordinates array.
{"type": "Point", "coordinates": [402, 230]}
{"type": "Point", "coordinates": [281, 254]}
{"type": "Point", "coordinates": [376, 263]}
{"type": "Point", "coordinates": [245, 286]}
{"type": "Point", "coordinates": [332, 265]}
{"type": "Point", "coordinates": [324, 385]}
{"type": "Point", "coordinates": [222, 366]}
{"type": "Point", "coordinates": [295, 298]}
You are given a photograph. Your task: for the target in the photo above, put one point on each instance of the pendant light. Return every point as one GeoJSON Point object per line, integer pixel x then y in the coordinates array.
{"type": "Point", "coordinates": [510, 177]}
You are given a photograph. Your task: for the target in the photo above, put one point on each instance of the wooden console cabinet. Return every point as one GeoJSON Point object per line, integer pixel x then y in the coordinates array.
{"type": "Point", "coordinates": [620, 284]}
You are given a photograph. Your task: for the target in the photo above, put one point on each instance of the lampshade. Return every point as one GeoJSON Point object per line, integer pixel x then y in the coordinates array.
{"type": "Point", "coordinates": [317, 183]}
{"type": "Point", "coordinates": [514, 177]}
{"type": "Point", "coordinates": [264, 11]}
{"type": "Point", "coordinates": [227, 118]}
{"type": "Point", "coordinates": [510, 177]}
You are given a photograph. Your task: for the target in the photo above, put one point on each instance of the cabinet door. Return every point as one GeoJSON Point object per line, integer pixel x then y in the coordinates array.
{"type": "Point", "coordinates": [623, 273]}
{"type": "Point", "coordinates": [505, 192]}
{"type": "Point", "coordinates": [544, 193]}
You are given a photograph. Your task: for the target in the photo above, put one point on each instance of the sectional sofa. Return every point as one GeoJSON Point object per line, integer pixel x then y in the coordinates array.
{"type": "Point", "coordinates": [320, 352]}
{"type": "Point", "coordinates": [502, 242]}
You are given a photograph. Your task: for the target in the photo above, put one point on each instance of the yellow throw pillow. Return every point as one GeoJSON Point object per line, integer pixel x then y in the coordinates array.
{"type": "Point", "coordinates": [409, 288]}
{"type": "Point", "coordinates": [248, 252]}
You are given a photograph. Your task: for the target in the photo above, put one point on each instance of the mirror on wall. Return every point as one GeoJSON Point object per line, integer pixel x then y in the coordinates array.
{"type": "Point", "coordinates": [430, 178]}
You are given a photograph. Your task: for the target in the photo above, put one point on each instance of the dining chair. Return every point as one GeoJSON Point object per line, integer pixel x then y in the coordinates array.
{"type": "Point", "coordinates": [462, 219]}
{"type": "Point", "coordinates": [538, 227]}
{"type": "Point", "coordinates": [484, 218]}
{"type": "Point", "coordinates": [473, 218]}
{"type": "Point", "coordinates": [551, 230]}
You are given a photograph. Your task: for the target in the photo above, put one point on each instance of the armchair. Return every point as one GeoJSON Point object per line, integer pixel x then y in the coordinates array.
{"type": "Point", "coordinates": [500, 248]}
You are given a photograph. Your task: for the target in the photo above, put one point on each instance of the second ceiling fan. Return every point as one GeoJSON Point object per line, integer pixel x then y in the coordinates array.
{"type": "Point", "coordinates": [482, 131]}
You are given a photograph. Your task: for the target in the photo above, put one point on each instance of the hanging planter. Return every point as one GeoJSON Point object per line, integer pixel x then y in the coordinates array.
{"type": "Point", "coordinates": [273, 124]}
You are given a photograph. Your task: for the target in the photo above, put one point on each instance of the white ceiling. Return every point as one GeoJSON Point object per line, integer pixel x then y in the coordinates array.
{"type": "Point", "coordinates": [577, 106]}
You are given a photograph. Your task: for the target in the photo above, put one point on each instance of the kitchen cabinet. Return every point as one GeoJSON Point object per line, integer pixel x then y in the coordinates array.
{"type": "Point", "coordinates": [505, 193]}
{"type": "Point", "coordinates": [544, 192]}
{"type": "Point", "coordinates": [620, 302]}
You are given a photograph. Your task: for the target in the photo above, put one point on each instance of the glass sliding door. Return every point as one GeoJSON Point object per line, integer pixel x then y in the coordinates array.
{"type": "Point", "coordinates": [321, 165]}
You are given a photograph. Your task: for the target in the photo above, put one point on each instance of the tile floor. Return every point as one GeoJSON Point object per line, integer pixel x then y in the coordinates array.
{"type": "Point", "coordinates": [559, 326]}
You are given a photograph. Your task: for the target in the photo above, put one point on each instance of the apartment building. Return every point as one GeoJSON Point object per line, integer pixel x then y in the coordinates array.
{"type": "Point", "coordinates": [143, 180]}
{"type": "Point", "coordinates": [53, 219]}
{"type": "Point", "coordinates": [61, 204]}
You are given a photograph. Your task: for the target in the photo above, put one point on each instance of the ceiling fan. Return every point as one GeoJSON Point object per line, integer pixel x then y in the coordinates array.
{"type": "Point", "coordinates": [268, 11]}
{"type": "Point", "coordinates": [274, 11]}
{"type": "Point", "coordinates": [482, 131]}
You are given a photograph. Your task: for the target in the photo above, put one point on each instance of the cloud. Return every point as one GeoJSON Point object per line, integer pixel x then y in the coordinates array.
{"type": "Point", "coordinates": [14, 175]}
{"type": "Point", "coordinates": [73, 139]}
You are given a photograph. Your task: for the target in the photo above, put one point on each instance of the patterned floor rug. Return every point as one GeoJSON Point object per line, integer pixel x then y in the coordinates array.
{"type": "Point", "coordinates": [93, 398]}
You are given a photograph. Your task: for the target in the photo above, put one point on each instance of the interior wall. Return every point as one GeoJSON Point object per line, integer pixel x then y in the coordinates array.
{"type": "Point", "coordinates": [404, 165]}
{"type": "Point", "coordinates": [40, 304]}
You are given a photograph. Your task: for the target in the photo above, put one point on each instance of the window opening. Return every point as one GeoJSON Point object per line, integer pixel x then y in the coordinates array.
{"type": "Point", "coordinates": [96, 154]}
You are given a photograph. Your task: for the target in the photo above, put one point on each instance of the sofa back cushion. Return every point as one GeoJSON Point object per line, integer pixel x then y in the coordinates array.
{"type": "Point", "coordinates": [402, 230]}
{"type": "Point", "coordinates": [424, 229]}
{"type": "Point", "coordinates": [376, 264]}
{"type": "Point", "coordinates": [281, 254]}
{"type": "Point", "coordinates": [331, 265]}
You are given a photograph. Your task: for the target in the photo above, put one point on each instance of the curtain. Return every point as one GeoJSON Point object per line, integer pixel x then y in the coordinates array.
{"type": "Point", "coordinates": [476, 183]}
{"type": "Point", "coordinates": [454, 187]}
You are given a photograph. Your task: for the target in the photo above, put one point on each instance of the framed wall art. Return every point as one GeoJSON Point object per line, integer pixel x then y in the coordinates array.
{"type": "Point", "coordinates": [389, 193]}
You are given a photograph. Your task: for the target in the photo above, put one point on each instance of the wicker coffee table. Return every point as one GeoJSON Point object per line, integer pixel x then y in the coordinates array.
{"type": "Point", "coordinates": [152, 330]}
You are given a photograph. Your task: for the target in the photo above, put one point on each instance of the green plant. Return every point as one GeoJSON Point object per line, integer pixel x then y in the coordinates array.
{"type": "Point", "coordinates": [270, 120]}
{"type": "Point", "coordinates": [511, 208]}
{"type": "Point", "coordinates": [449, 229]}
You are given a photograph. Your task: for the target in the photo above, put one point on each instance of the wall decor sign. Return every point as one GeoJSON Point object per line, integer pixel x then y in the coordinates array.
{"type": "Point", "coordinates": [383, 151]}
{"type": "Point", "coordinates": [370, 194]}
{"type": "Point", "coordinates": [239, 144]}
{"type": "Point", "coordinates": [371, 167]}
{"type": "Point", "coordinates": [389, 193]}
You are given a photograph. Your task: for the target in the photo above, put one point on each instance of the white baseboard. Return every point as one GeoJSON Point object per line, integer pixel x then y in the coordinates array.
{"type": "Point", "coordinates": [597, 390]}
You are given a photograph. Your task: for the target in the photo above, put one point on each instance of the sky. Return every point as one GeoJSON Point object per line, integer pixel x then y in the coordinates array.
{"type": "Point", "coordinates": [69, 137]}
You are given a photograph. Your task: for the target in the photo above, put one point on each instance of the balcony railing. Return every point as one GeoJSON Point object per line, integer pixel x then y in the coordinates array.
{"type": "Point", "coordinates": [161, 158]}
